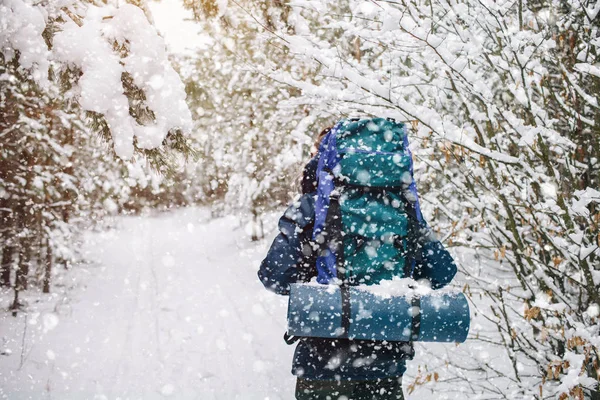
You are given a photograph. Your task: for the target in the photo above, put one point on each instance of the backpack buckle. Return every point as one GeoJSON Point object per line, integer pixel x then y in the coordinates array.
{"type": "Point", "coordinates": [290, 339]}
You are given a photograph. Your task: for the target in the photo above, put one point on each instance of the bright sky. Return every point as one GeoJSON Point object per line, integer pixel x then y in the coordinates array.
{"type": "Point", "coordinates": [176, 26]}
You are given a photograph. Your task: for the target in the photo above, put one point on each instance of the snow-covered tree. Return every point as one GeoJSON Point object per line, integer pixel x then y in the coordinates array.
{"type": "Point", "coordinates": [111, 61]}
{"type": "Point", "coordinates": [73, 72]}
{"type": "Point", "coordinates": [252, 132]}
{"type": "Point", "coordinates": [45, 151]}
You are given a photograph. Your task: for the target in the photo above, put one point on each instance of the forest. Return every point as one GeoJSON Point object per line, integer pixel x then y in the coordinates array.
{"type": "Point", "coordinates": [105, 118]}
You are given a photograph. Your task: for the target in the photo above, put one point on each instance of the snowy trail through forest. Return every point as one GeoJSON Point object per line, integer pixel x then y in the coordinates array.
{"type": "Point", "coordinates": [170, 307]}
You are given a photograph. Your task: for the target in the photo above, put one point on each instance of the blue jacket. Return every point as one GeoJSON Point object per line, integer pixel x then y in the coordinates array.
{"type": "Point", "coordinates": [291, 259]}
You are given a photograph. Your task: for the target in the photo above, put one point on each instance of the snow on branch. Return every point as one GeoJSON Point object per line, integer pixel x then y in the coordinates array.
{"type": "Point", "coordinates": [329, 60]}
{"type": "Point", "coordinates": [108, 47]}
{"type": "Point", "coordinates": [21, 28]}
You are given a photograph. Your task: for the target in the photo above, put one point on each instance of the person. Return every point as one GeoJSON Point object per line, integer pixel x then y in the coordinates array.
{"type": "Point", "coordinates": [331, 369]}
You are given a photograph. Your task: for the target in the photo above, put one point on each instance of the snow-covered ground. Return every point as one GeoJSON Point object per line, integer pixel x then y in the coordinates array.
{"type": "Point", "coordinates": [168, 306]}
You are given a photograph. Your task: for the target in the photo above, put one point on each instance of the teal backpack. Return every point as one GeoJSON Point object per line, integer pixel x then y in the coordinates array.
{"type": "Point", "coordinates": [369, 228]}
{"type": "Point", "coordinates": [367, 214]}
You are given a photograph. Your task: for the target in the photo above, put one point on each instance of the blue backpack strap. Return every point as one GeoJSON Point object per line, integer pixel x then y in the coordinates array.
{"type": "Point", "coordinates": [413, 209]}
{"type": "Point", "coordinates": [328, 161]}
{"type": "Point", "coordinates": [414, 206]}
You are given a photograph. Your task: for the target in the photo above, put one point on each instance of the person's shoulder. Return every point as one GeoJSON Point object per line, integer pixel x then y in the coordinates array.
{"type": "Point", "coordinates": [301, 212]}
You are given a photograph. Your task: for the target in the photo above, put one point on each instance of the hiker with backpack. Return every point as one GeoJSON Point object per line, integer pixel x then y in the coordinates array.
{"type": "Point", "coordinates": [358, 222]}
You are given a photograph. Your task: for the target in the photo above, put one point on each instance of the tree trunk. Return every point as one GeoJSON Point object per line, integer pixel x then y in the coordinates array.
{"type": "Point", "coordinates": [257, 227]}
{"type": "Point", "coordinates": [15, 305]}
{"type": "Point", "coordinates": [47, 267]}
{"type": "Point", "coordinates": [593, 371]}
{"type": "Point", "coordinates": [21, 275]}
{"type": "Point", "coordinates": [6, 265]}
{"type": "Point", "coordinates": [23, 268]}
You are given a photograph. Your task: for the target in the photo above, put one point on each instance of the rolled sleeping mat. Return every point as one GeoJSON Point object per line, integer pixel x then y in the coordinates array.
{"type": "Point", "coordinates": [331, 311]}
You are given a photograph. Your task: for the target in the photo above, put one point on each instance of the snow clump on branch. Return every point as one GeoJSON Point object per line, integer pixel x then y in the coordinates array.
{"type": "Point", "coordinates": [21, 27]}
{"type": "Point", "coordinates": [106, 44]}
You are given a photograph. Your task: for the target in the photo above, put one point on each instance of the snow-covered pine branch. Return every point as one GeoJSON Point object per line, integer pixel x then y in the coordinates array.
{"type": "Point", "coordinates": [111, 60]}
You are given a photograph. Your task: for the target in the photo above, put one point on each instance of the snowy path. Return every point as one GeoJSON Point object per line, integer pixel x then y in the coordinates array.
{"type": "Point", "coordinates": [171, 307]}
